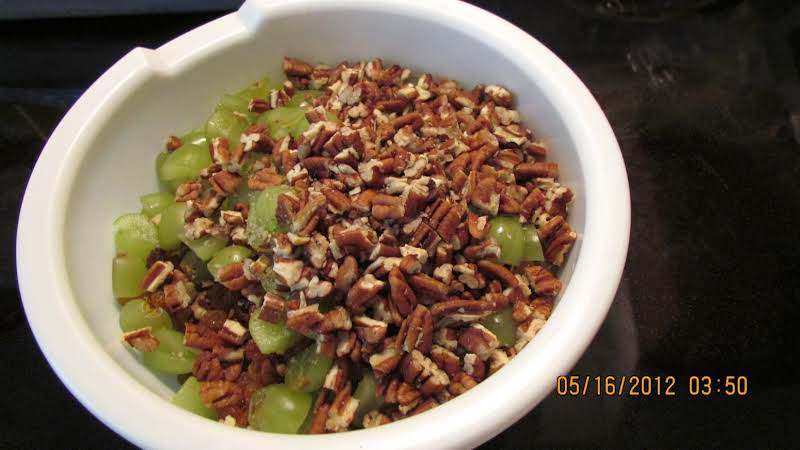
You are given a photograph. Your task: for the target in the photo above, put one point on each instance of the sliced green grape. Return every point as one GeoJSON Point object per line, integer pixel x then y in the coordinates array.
{"type": "Point", "coordinates": [233, 102]}
{"type": "Point", "coordinates": [154, 203]}
{"type": "Point", "coordinates": [368, 398]}
{"type": "Point", "coordinates": [261, 221]}
{"type": "Point", "coordinates": [188, 398]}
{"type": "Point", "coordinates": [272, 337]}
{"type": "Point", "coordinates": [170, 228]}
{"type": "Point", "coordinates": [259, 89]}
{"type": "Point", "coordinates": [306, 371]}
{"type": "Point", "coordinates": [195, 268]}
{"type": "Point", "coordinates": [503, 325]}
{"type": "Point", "coordinates": [206, 247]}
{"type": "Point", "coordinates": [507, 231]}
{"type": "Point", "coordinates": [135, 235]}
{"type": "Point", "coordinates": [228, 255]}
{"type": "Point", "coordinates": [278, 409]}
{"type": "Point", "coordinates": [533, 247]}
{"type": "Point", "coordinates": [171, 356]}
{"type": "Point", "coordinates": [127, 273]}
{"type": "Point", "coordinates": [228, 124]}
{"type": "Point", "coordinates": [138, 313]}
{"type": "Point", "coordinates": [163, 184]}
{"type": "Point", "coordinates": [283, 120]}
{"type": "Point", "coordinates": [303, 96]}
{"type": "Point", "coordinates": [185, 163]}
{"type": "Point", "coordinates": [196, 137]}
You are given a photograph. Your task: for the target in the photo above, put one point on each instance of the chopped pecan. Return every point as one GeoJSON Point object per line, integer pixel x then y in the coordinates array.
{"type": "Point", "coordinates": [478, 225]}
{"type": "Point", "coordinates": [232, 276]}
{"type": "Point", "coordinates": [201, 336]}
{"type": "Point", "coordinates": [188, 191]}
{"type": "Point", "coordinates": [264, 178]}
{"type": "Point", "coordinates": [401, 294]}
{"type": "Point", "coordinates": [178, 294]}
{"type": "Point", "coordinates": [141, 339]}
{"type": "Point", "coordinates": [233, 332]}
{"type": "Point", "coordinates": [296, 67]}
{"type": "Point", "coordinates": [370, 330]}
{"type": "Point", "coordinates": [459, 306]}
{"type": "Point", "coordinates": [364, 290]}
{"type": "Point", "coordinates": [337, 201]}
{"type": "Point", "coordinates": [429, 287]}
{"type": "Point", "coordinates": [526, 171]}
{"type": "Point", "coordinates": [173, 143]}
{"type": "Point", "coordinates": [225, 182]}
{"type": "Point", "coordinates": [542, 281]}
{"type": "Point", "coordinates": [346, 274]}
{"type": "Point", "coordinates": [226, 398]}
{"type": "Point", "coordinates": [498, 271]}
{"type": "Point", "coordinates": [417, 331]}
{"type": "Point", "coordinates": [479, 340]}
{"type": "Point", "coordinates": [156, 275]}
{"type": "Point", "coordinates": [220, 151]}
{"type": "Point", "coordinates": [386, 361]}
{"type": "Point", "coordinates": [335, 320]}
{"type": "Point", "coordinates": [287, 271]}
{"type": "Point", "coordinates": [375, 418]}
{"type": "Point", "coordinates": [446, 359]}
{"type": "Point", "coordinates": [304, 320]}
{"type": "Point", "coordinates": [342, 410]}
{"type": "Point", "coordinates": [419, 370]}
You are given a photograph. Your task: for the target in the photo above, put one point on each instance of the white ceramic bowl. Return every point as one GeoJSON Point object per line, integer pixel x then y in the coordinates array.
{"type": "Point", "coordinates": [100, 159]}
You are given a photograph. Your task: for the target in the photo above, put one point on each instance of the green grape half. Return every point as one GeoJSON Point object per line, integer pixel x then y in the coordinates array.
{"type": "Point", "coordinates": [135, 235]}
{"type": "Point", "coordinates": [228, 255]}
{"type": "Point", "coordinates": [262, 221]}
{"type": "Point", "coordinates": [188, 398]}
{"type": "Point", "coordinates": [206, 247]}
{"type": "Point", "coordinates": [503, 325]}
{"type": "Point", "coordinates": [154, 203]}
{"type": "Point", "coordinates": [185, 163]}
{"type": "Point", "coordinates": [138, 313]}
{"type": "Point", "coordinates": [228, 124]}
{"type": "Point", "coordinates": [368, 398]}
{"type": "Point", "coordinates": [507, 231]}
{"type": "Point", "coordinates": [272, 337]}
{"type": "Point", "coordinates": [170, 227]}
{"type": "Point", "coordinates": [171, 356]}
{"type": "Point", "coordinates": [533, 247]}
{"type": "Point", "coordinates": [127, 273]}
{"type": "Point", "coordinates": [306, 371]}
{"type": "Point", "coordinates": [278, 409]}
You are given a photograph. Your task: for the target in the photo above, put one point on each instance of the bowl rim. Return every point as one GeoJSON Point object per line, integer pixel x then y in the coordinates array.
{"type": "Point", "coordinates": [70, 348]}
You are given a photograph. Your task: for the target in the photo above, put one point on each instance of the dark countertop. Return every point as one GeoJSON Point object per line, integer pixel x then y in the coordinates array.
{"type": "Point", "coordinates": [705, 103]}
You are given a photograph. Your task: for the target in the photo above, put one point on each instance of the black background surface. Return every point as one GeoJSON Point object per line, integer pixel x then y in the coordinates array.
{"type": "Point", "coordinates": [705, 102]}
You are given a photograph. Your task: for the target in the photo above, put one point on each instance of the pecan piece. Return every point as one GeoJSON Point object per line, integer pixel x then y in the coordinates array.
{"type": "Point", "coordinates": [347, 273]}
{"type": "Point", "coordinates": [233, 332]}
{"type": "Point", "coordinates": [338, 202]}
{"type": "Point", "coordinates": [232, 276]}
{"type": "Point", "coordinates": [479, 340]}
{"type": "Point", "coordinates": [173, 143]}
{"type": "Point", "coordinates": [542, 281]}
{"type": "Point", "coordinates": [498, 271]}
{"type": "Point", "coordinates": [526, 171]}
{"type": "Point", "coordinates": [141, 339]}
{"type": "Point", "coordinates": [335, 320]}
{"type": "Point", "coordinates": [364, 290]}
{"type": "Point", "coordinates": [156, 275]}
{"type": "Point", "coordinates": [225, 182]}
{"type": "Point", "coordinates": [264, 178]}
{"type": "Point", "coordinates": [386, 361]}
{"type": "Point", "coordinates": [370, 330]}
{"type": "Point", "coordinates": [304, 320]}
{"type": "Point", "coordinates": [342, 410]}
{"type": "Point", "coordinates": [416, 333]}
{"type": "Point", "coordinates": [419, 370]}
{"type": "Point", "coordinates": [401, 294]}
{"type": "Point", "coordinates": [296, 67]}
{"type": "Point", "coordinates": [429, 287]}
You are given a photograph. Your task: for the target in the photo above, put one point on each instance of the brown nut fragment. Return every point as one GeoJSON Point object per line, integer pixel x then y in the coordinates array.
{"type": "Point", "coordinates": [479, 340]}
{"type": "Point", "coordinates": [401, 294]}
{"type": "Point", "coordinates": [225, 182]}
{"type": "Point", "coordinates": [375, 418]}
{"type": "Point", "coordinates": [304, 320]}
{"type": "Point", "coordinates": [320, 413]}
{"type": "Point", "coordinates": [342, 410]}
{"type": "Point", "coordinates": [226, 397]}
{"type": "Point", "coordinates": [370, 330]}
{"type": "Point", "coordinates": [178, 294]}
{"type": "Point", "coordinates": [526, 171]}
{"type": "Point", "coordinates": [273, 309]}
{"type": "Point", "coordinates": [428, 286]}
{"type": "Point", "coordinates": [317, 166]}
{"type": "Point", "coordinates": [416, 333]}
{"type": "Point", "coordinates": [336, 319]}
{"type": "Point", "coordinates": [232, 277]}
{"type": "Point", "coordinates": [337, 201]}
{"type": "Point", "coordinates": [156, 275]}
{"type": "Point", "coordinates": [287, 271]}
{"type": "Point", "coordinates": [426, 405]}
{"type": "Point", "coordinates": [364, 290]}
{"type": "Point", "coordinates": [173, 143]}
{"type": "Point", "coordinates": [220, 151]}
{"type": "Point", "coordinates": [447, 360]}
{"type": "Point", "coordinates": [201, 336]}
{"type": "Point", "coordinates": [141, 339]}
{"type": "Point", "coordinates": [498, 271]}
{"type": "Point", "coordinates": [478, 226]}
{"type": "Point", "coordinates": [461, 383]}
{"type": "Point", "coordinates": [542, 281]}
{"type": "Point", "coordinates": [347, 273]}
{"type": "Point", "coordinates": [386, 361]}
{"type": "Point", "coordinates": [188, 191]}
{"type": "Point", "coordinates": [233, 332]}
{"type": "Point", "coordinates": [264, 178]}
{"type": "Point", "coordinates": [459, 306]}
{"type": "Point", "coordinates": [419, 370]}
{"type": "Point", "coordinates": [297, 68]}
